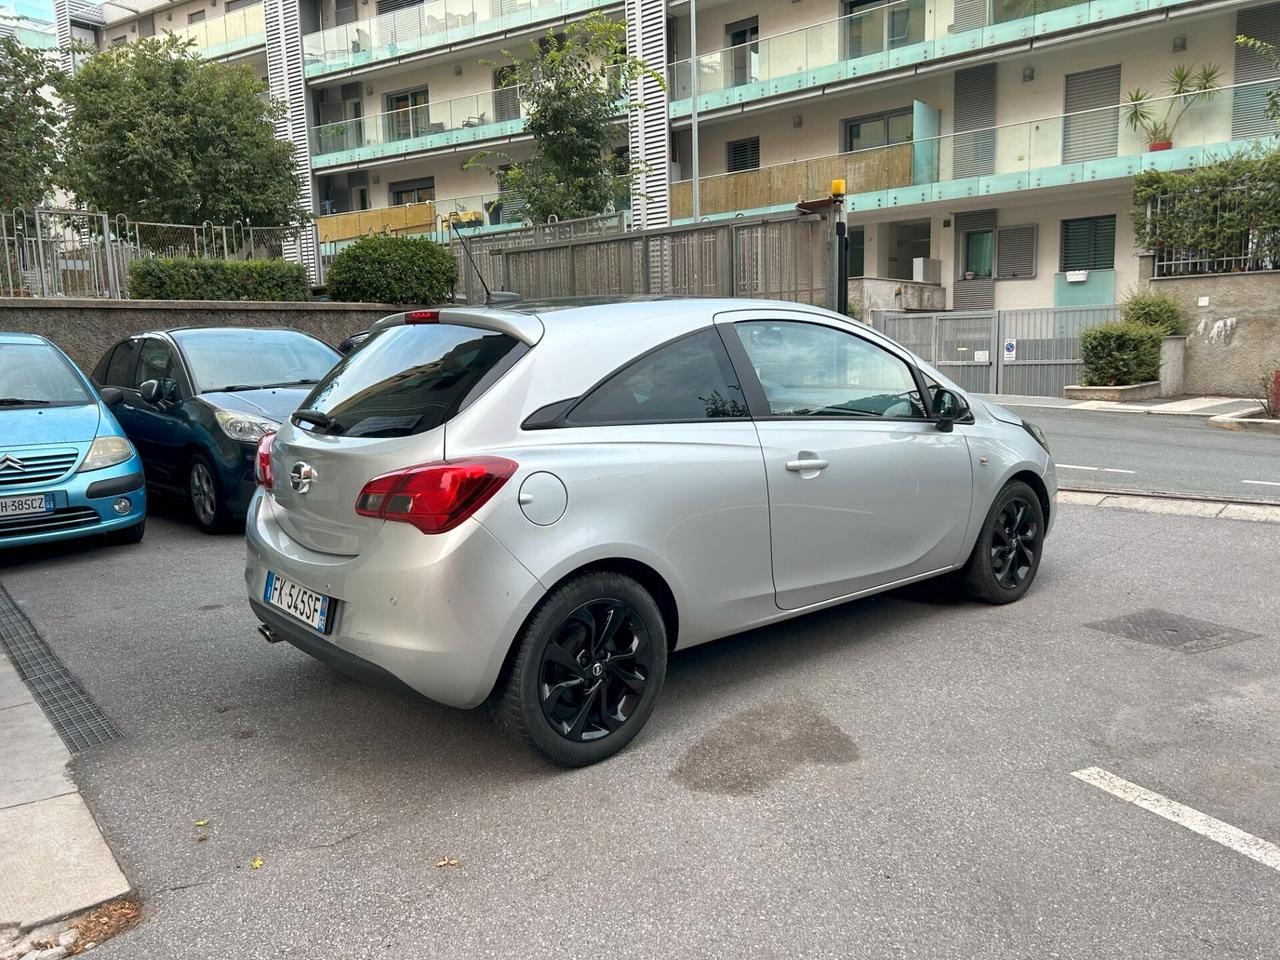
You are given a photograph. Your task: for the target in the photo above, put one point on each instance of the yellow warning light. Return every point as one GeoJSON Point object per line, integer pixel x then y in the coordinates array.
{"type": "Point", "coordinates": [837, 188]}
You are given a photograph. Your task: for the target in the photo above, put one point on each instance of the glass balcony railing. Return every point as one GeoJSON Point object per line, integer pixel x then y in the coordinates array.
{"type": "Point", "coordinates": [433, 23]}
{"type": "Point", "coordinates": [441, 123]}
{"type": "Point", "coordinates": [1091, 145]}
{"type": "Point", "coordinates": [35, 38]}
{"type": "Point", "coordinates": [234, 32]}
{"type": "Point", "coordinates": [895, 34]}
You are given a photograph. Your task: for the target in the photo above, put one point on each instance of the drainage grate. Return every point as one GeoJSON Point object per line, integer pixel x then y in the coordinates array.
{"type": "Point", "coordinates": [71, 711]}
{"type": "Point", "coordinates": [1172, 630]}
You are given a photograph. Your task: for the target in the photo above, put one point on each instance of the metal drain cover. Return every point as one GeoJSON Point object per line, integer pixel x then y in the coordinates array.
{"type": "Point", "coordinates": [1172, 630]}
{"type": "Point", "coordinates": [78, 720]}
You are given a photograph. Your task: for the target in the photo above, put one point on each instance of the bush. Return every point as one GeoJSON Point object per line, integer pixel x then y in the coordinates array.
{"type": "Point", "coordinates": [385, 269]}
{"type": "Point", "coordinates": [1115, 354]}
{"type": "Point", "coordinates": [1157, 310]}
{"type": "Point", "coordinates": [202, 278]}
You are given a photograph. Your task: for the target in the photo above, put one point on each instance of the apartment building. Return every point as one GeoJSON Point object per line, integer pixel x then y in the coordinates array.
{"type": "Point", "coordinates": [985, 149]}
{"type": "Point", "coordinates": [29, 23]}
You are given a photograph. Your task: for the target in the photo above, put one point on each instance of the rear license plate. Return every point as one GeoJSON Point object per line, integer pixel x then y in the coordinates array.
{"type": "Point", "coordinates": [300, 603]}
{"type": "Point", "coordinates": [26, 505]}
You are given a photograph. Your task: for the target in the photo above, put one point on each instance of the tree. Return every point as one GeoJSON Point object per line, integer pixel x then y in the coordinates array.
{"type": "Point", "coordinates": [1272, 56]}
{"type": "Point", "coordinates": [157, 133]}
{"type": "Point", "coordinates": [30, 124]}
{"type": "Point", "coordinates": [572, 87]}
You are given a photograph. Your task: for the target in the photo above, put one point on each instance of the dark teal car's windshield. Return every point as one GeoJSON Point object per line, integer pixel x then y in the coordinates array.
{"type": "Point", "coordinates": [241, 359]}
{"type": "Point", "coordinates": [36, 375]}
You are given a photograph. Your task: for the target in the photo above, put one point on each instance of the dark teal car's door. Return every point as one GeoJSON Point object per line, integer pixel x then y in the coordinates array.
{"type": "Point", "coordinates": [160, 428]}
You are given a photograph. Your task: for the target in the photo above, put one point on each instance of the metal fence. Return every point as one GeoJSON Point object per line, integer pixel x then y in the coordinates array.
{"type": "Point", "coordinates": [1242, 240]}
{"type": "Point", "coordinates": [782, 257]}
{"type": "Point", "coordinates": [1033, 352]}
{"type": "Point", "coordinates": [54, 252]}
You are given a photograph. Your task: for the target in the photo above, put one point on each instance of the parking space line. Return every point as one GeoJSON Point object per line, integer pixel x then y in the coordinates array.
{"type": "Point", "coordinates": [1116, 470]}
{"type": "Point", "coordinates": [1255, 848]}
{"type": "Point", "coordinates": [1072, 466]}
{"type": "Point", "coordinates": [1263, 483]}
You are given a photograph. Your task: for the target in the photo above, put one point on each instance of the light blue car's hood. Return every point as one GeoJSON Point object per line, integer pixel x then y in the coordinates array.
{"type": "Point", "coordinates": [28, 426]}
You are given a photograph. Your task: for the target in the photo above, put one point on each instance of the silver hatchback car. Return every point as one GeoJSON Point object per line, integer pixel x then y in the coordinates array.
{"type": "Point", "coordinates": [539, 502]}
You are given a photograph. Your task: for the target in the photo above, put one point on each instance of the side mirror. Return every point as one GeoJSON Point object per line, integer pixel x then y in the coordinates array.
{"type": "Point", "coordinates": [169, 390]}
{"type": "Point", "coordinates": [150, 390]}
{"type": "Point", "coordinates": [948, 407]}
{"type": "Point", "coordinates": [111, 396]}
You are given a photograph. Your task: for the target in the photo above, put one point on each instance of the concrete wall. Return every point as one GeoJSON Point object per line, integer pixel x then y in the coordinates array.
{"type": "Point", "coordinates": [86, 328]}
{"type": "Point", "coordinates": [1235, 336]}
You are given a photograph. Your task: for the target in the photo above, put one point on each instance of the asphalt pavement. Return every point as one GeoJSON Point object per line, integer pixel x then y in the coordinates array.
{"type": "Point", "coordinates": [892, 778]}
{"type": "Point", "coordinates": [1153, 453]}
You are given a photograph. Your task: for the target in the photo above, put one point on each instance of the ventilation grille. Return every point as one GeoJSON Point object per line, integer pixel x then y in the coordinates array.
{"type": "Point", "coordinates": [35, 468]}
{"type": "Point", "coordinates": [744, 154]}
{"type": "Point", "coordinates": [68, 518]}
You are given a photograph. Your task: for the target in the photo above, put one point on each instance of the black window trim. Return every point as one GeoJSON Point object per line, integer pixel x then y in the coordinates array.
{"type": "Point", "coordinates": [547, 417]}
{"type": "Point", "coordinates": [753, 390]}
{"type": "Point", "coordinates": [884, 115]}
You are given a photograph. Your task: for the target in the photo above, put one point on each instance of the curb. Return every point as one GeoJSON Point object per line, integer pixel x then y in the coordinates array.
{"type": "Point", "coordinates": [1253, 424]}
{"type": "Point", "coordinates": [1185, 507]}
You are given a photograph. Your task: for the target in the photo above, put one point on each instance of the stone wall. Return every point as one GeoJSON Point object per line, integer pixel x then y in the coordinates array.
{"type": "Point", "coordinates": [1233, 336]}
{"type": "Point", "coordinates": [86, 328]}
{"type": "Point", "coordinates": [872, 293]}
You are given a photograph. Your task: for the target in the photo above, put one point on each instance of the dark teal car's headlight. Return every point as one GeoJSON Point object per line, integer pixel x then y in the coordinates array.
{"type": "Point", "coordinates": [244, 426]}
{"type": "Point", "coordinates": [1036, 432]}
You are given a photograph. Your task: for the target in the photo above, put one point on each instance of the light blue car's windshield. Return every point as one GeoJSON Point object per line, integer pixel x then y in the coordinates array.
{"type": "Point", "coordinates": [238, 358]}
{"type": "Point", "coordinates": [36, 375]}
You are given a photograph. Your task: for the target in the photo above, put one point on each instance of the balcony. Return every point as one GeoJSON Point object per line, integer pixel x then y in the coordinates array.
{"type": "Point", "coordinates": [394, 133]}
{"type": "Point", "coordinates": [1078, 148]}
{"type": "Point", "coordinates": [234, 32]}
{"type": "Point", "coordinates": [426, 26]}
{"type": "Point", "coordinates": [480, 211]}
{"type": "Point", "coordinates": [897, 34]}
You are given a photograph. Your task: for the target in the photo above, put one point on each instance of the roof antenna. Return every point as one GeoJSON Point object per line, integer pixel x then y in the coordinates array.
{"type": "Point", "coordinates": [491, 298]}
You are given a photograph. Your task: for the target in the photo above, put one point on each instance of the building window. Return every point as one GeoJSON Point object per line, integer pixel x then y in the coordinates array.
{"type": "Point", "coordinates": [744, 154]}
{"type": "Point", "coordinates": [119, 41]}
{"type": "Point", "coordinates": [413, 191]}
{"type": "Point", "coordinates": [878, 130]}
{"type": "Point", "coordinates": [1016, 252]}
{"type": "Point", "coordinates": [197, 17]}
{"type": "Point", "coordinates": [1089, 243]}
{"type": "Point", "coordinates": [978, 248]}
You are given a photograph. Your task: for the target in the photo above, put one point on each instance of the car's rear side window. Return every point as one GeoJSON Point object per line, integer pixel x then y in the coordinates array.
{"type": "Point", "coordinates": [687, 379]}
{"type": "Point", "coordinates": [410, 379]}
{"type": "Point", "coordinates": [120, 365]}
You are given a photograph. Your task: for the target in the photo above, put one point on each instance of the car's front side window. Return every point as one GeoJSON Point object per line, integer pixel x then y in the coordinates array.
{"type": "Point", "coordinates": [689, 379]}
{"type": "Point", "coordinates": [811, 370]}
{"type": "Point", "coordinates": [155, 362]}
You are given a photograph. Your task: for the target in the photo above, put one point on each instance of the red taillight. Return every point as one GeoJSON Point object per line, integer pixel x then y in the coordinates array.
{"type": "Point", "coordinates": [422, 316]}
{"type": "Point", "coordinates": [262, 468]}
{"type": "Point", "coordinates": [435, 497]}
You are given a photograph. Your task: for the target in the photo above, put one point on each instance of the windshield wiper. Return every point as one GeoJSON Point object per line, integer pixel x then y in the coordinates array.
{"type": "Point", "coordinates": [22, 402]}
{"type": "Point", "coordinates": [306, 382]}
{"type": "Point", "coordinates": [318, 419]}
{"type": "Point", "coordinates": [234, 387]}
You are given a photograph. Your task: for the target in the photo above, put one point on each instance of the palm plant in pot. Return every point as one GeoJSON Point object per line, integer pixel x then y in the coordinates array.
{"type": "Point", "coordinates": [1187, 87]}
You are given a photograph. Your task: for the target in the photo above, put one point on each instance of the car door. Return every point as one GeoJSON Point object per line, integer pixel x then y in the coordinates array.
{"type": "Point", "coordinates": [159, 430]}
{"type": "Point", "coordinates": [864, 489]}
{"type": "Point", "coordinates": [116, 370]}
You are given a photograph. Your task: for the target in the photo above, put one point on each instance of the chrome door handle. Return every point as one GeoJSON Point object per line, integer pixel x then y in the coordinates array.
{"type": "Point", "coordinates": [803, 466]}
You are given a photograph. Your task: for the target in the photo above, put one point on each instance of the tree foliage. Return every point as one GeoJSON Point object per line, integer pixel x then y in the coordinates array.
{"type": "Point", "coordinates": [28, 126]}
{"type": "Point", "coordinates": [157, 133]}
{"type": "Point", "coordinates": [572, 88]}
{"type": "Point", "coordinates": [385, 269]}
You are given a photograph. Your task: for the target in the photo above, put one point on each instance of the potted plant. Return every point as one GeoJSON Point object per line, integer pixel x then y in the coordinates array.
{"type": "Point", "coordinates": [1187, 86]}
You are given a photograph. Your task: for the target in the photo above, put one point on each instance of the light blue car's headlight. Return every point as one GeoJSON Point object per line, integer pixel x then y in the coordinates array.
{"type": "Point", "coordinates": [107, 452]}
{"type": "Point", "coordinates": [244, 426]}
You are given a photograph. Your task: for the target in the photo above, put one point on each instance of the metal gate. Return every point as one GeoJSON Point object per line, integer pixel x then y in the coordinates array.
{"type": "Point", "coordinates": [1019, 352]}
{"type": "Point", "coordinates": [57, 253]}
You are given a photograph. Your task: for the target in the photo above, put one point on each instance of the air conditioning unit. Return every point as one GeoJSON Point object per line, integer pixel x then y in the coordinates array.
{"type": "Point", "coordinates": [924, 270]}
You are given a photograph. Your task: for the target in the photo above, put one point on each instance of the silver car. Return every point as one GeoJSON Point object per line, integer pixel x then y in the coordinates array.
{"type": "Point", "coordinates": [540, 502]}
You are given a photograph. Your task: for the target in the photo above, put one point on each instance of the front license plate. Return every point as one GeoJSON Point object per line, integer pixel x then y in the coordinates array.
{"type": "Point", "coordinates": [306, 605]}
{"type": "Point", "coordinates": [26, 505]}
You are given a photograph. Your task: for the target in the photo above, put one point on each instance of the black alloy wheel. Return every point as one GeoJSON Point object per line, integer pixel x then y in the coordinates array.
{"type": "Point", "coordinates": [1006, 556]}
{"type": "Point", "coordinates": [1015, 541]}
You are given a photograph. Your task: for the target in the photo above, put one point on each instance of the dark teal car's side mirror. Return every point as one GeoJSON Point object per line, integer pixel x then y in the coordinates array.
{"type": "Point", "coordinates": [149, 390]}
{"type": "Point", "coordinates": [111, 396]}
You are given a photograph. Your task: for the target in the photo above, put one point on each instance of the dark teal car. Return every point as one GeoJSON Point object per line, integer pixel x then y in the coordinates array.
{"type": "Point", "coordinates": [195, 402]}
{"type": "Point", "coordinates": [66, 468]}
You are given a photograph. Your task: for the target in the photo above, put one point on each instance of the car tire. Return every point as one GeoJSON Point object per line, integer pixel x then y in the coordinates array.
{"type": "Point", "coordinates": [1005, 558]}
{"type": "Point", "coordinates": [204, 496]}
{"type": "Point", "coordinates": [588, 669]}
{"type": "Point", "coordinates": [128, 535]}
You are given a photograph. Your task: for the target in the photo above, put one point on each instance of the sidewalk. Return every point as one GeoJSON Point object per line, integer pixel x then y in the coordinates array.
{"type": "Point", "coordinates": [1173, 406]}
{"type": "Point", "coordinates": [53, 859]}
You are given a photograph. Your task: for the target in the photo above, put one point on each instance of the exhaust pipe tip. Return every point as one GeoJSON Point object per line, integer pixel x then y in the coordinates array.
{"type": "Point", "coordinates": [266, 633]}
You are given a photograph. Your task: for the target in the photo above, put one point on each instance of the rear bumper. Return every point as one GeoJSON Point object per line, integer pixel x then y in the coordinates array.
{"type": "Point", "coordinates": [436, 612]}
{"type": "Point", "coordinates": [84, 505]}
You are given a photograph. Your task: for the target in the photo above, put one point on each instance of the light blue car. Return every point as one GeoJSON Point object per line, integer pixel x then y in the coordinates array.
{"type": "Point", "coordinates": [66, 468]}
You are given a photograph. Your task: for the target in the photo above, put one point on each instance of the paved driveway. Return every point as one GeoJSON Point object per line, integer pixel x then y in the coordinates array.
{"type": "Point", "coordinates": [888, 779]}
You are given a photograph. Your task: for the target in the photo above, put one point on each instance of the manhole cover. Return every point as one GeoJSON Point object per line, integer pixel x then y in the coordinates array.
{"type": "Point", "coordinates": [1172, 630]}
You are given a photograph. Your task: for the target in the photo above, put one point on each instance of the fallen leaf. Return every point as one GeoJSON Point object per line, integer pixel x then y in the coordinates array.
{"type": "Point", "coordinates": [201, 838]}
{"type": "Point", "coordinates": [447, 861]}
{"type": "Point", "coordinates": [255, 863]}
{"type": "Point", "coordinates": [202, 823]}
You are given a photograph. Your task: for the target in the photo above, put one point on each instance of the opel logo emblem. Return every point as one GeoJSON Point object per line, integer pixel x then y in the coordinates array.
{"type": "Point", "coordinates": [10, 462]}
{"type": "Point", "coordinates": [301, 477]}
{"type": "Point", "coordinates": [596, 669]}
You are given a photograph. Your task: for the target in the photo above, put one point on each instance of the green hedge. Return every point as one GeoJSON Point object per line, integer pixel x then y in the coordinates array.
{"type": "Point", "coordinates": [386, 269]}
{"type": "Point", "coordinates": [201, 278]}
{"type": "Point", "coordinates": [1158, 310]}
{"type": "Point", "coordinates": [1116, 354]}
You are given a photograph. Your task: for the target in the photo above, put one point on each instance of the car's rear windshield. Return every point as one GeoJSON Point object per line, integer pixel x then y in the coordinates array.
{"type": "Point", "coordinates": [240, 358]}
{"type": "Point", "coordinates": [36, 375]}
{"type": "Point", "coordinates": [410, 379]}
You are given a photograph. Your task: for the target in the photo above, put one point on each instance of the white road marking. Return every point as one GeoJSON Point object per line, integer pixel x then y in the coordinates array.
{"type": "Point", "coordinates": [1263, 483]}
{"type": "Point", "coordinates": [1115, 470]}
{"type": "Point", "coordinates": [1072, 466]}
{"type": "Point", "coordinates": [1255, 848]}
